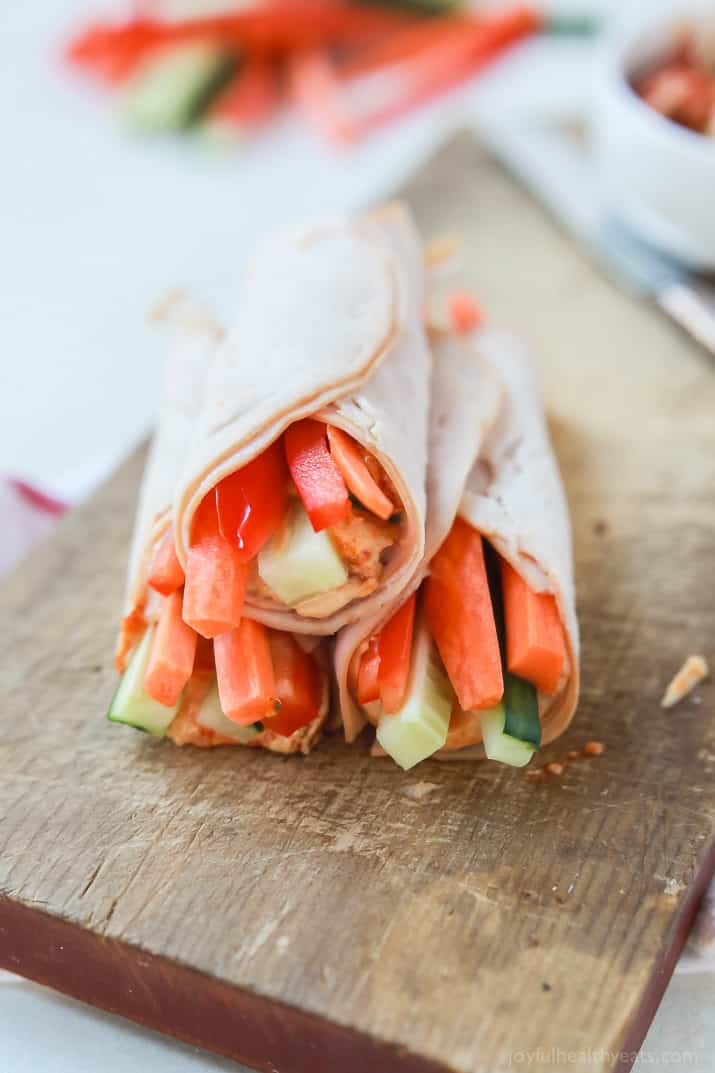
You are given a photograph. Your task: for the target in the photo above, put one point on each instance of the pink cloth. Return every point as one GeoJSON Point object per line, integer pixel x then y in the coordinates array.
{"type": "Point", "coordinates": [27, 515]}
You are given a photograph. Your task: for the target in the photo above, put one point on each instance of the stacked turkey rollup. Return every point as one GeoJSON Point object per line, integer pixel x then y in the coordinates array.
{"type": "Point", "coordinates": [332, 494]}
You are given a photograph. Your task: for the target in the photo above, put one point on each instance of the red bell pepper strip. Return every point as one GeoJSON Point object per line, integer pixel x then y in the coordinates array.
{"type": "Point", "coordinates": [535, 645]}
{"type": "Point", "coordinates": [253, 502]}
{"type": "Point", "coordinates": [244, 671]}
{"type": "Point", "coordinates": [368, 683]}
{"type": "Point", "coordinates": [171, 659]}
{"type": "Point", "coordinates": [166, 574]}
{"type": "Point", "coordinates": [461, 619]}
{"type": "Point", "coordinates": [216, 578]}
{"type": "Point", "coordinates": [112, 52]}
{"type": "Point", "coordinates": [275, 30]}
{"type": "Point", "coordinates": [298, 685]}
{"type": "Point", "coordinates": [319, 481]}
{"type": "Point", "coordinates": [394, 645]}
{"type": "Point", "coordinates": [464, 313]}
{"type": "Point", "coordinates": [419, 68]}
{"type": "Point", "coordinates": [348, 455]}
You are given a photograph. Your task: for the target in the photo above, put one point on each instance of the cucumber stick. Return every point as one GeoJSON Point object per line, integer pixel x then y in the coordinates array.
{"type": "Point", "coordinates": [211, 717]}
{"type": "Point", "coordinates": [521, 710]}
{"type": "Point", "coordinates": [498, 744]}
{"type": "Point", "coordinates": [420, 728]}
{"type": "Point", "coordinates": [131, 705]}
{"type": "Point", "coordinates": [299, 562]}
{"type": "Point", "coordinates": [172, 89]}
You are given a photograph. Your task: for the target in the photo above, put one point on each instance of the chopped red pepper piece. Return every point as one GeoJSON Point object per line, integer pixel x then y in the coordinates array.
{"type": "Point", "coordinates": [464, 313]}
{"type": "Point", "coordinates": [253, 502]}
{"type": "Point", "coordinates": [319, 481]}
{"type": "Point", "coordinates": [298, 685]}
{"type": "Point", "coordinates": [394, 645]}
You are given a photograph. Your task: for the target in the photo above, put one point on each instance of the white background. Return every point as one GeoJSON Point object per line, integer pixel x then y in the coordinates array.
{"type": "Point", "coordinates": [95, 226]}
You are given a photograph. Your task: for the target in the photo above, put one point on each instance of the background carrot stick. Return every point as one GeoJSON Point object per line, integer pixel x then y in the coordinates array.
{"type": "Point", "coordinates": [165, 572]}
{"type": "Point", "coordinates": [215, 576]}
{"type": "Point", "coordinates": [461, 619]}
{"type": "Point", "coordinates": [244, 669]}
{"type": "Point", "coordinates": [348, 455]}
{"type": "Point", "coordinates": [171, 659]}
{"type": "Point", "coordinates": [535, 646]}
{"type": "Point", "coordinates": [215, 587]}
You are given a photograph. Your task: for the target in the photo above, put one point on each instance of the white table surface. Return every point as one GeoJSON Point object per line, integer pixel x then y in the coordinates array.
{"type": "Point", "coordinates": [94, 227]}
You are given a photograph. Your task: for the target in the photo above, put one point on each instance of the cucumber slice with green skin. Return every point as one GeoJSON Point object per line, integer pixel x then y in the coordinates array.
{"type": "Point", "coordinates": [420, 728]}
{"type": "Point", "coordinates": [171, 90]}
{"type": "Point", "coordinates": [212, 717]}
{"type": "Point", "coordinates": [521, 708]}
{"type": "Point", "coordinates": [131, 705]}
{"type": "Point", "coordinates": [498, 744]}
{"type": "Point", "coordinates": [300, 563]}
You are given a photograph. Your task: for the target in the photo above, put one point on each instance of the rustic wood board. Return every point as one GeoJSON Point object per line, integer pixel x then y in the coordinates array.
{"type": "Point", "coordinates": [305, 914]}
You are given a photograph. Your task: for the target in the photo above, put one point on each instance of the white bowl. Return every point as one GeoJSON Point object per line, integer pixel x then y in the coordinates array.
{"type": "Point", "coordinates": [658, 177]}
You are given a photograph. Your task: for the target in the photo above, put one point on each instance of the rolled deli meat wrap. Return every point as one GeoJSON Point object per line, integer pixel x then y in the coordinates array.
{"type": "Point", "coordinates": [251, 686]}
{"type": "Point", "coordinates": [302, 499]}
{"type": "Point", "coordinates": [480, 655]}
{"type": "Point", "coordinates": [284, 493]}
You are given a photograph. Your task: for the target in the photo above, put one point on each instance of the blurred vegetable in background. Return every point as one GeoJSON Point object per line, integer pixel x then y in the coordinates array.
{"type": "Point", "coordinates": [225, 67]}
{"type": "Point", "coordinates": [681, 86]}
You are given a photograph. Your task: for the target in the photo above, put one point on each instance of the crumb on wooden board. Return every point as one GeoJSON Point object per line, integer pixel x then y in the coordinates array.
{"type": "Point", "coordinates": [690, 675]}
{"type": "Point", "coordinates": [418, 791]}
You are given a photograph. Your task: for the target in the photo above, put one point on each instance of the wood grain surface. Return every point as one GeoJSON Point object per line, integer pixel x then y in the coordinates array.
{"type": "Point", "coordinates": [312, 914]}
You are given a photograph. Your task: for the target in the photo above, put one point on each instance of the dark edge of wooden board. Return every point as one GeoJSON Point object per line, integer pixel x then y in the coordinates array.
{"type": "Point", "coordinates": [180, 1001]}
{"type": "Point", "coordinates": [200, 1010]}
{"type": "Point", "coordinates": [666, 963]}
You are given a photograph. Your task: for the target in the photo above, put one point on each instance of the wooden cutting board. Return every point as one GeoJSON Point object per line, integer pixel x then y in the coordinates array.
{"type": "Point", "coordinates": [316, 914]}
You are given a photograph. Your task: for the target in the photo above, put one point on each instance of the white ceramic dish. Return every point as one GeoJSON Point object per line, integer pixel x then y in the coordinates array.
{"type": "Point", "coordinates": [657, 176]}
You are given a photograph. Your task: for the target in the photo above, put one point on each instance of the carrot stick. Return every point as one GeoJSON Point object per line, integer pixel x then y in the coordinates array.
{"type": "Point", "coordinates": [394, 644]}
{"type": "Point", "coordinates": [368, 683]}
{"type": "Point", "coordinates": [535, 644]}
{"type": "Point", "coordinates": [171, 659]}
{"type": "Point", "coordinates": [215, 577]}
{"type": "Point", "coordinates": [461, 619]}
{"type": "Point", "coordinates": [348, 455]}
{"type": "Point", "coordinates": [244, 670]}
{"type": "Point", "coordinates": [165, 572]}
